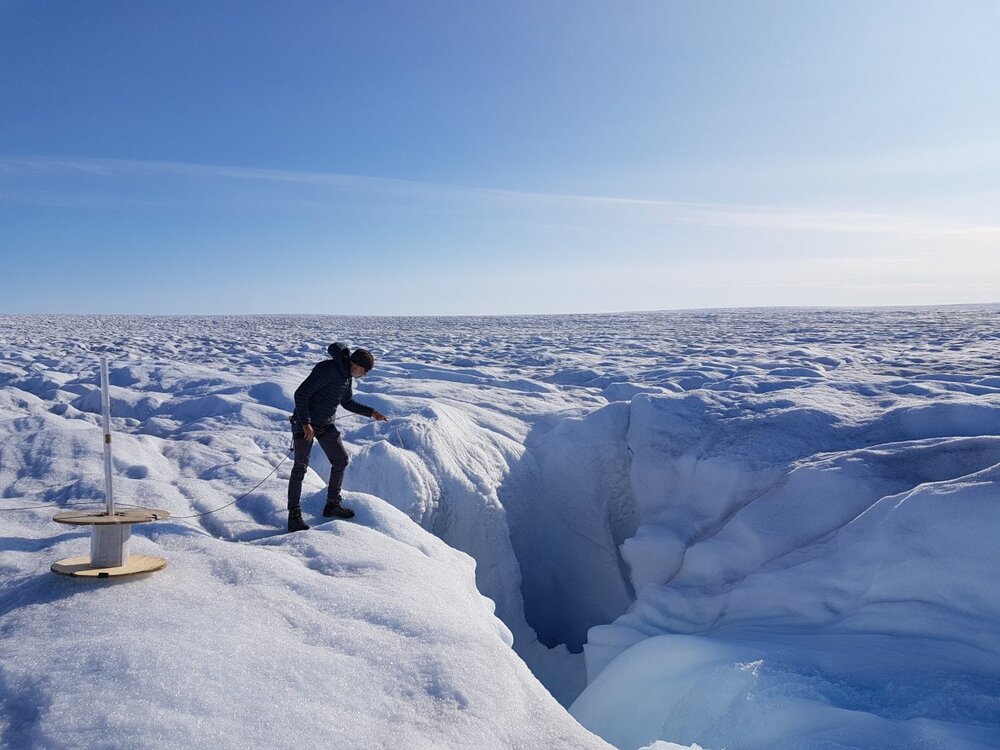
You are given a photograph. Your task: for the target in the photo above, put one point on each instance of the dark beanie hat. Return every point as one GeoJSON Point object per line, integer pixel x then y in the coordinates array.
{"type": "Point", "coordinates": [363, 358]}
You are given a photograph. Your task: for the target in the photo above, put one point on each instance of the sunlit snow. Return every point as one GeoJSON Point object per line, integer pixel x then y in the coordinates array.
{"type": "Point", "coordinates": [763, 529]}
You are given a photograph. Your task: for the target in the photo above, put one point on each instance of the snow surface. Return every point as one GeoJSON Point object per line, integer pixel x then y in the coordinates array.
{"type": "Point", "coordinates": [764, 528]}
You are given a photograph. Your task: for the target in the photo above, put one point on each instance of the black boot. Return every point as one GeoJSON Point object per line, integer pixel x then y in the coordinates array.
{"type": "Point", "coordinates": [295, 522]}
{"type": "Point", "coordinates": [333, 509]}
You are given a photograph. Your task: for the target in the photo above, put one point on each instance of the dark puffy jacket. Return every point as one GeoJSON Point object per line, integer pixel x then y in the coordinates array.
{"type": "Point", "coordinates": [328, 385]}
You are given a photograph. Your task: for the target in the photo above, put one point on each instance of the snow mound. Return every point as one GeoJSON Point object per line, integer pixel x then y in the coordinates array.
{"type": "Point", "coordinates": [764, 528]}
{"type": "Point", "coordinates": [352, 635]}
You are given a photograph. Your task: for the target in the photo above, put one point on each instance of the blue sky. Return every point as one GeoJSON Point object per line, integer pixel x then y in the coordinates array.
{"type": "Point", "coordinates": [516, 157]}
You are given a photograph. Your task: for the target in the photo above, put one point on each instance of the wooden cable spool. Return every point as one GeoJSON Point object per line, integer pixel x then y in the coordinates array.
{"type": "Point", "coordinates": [110, 556]}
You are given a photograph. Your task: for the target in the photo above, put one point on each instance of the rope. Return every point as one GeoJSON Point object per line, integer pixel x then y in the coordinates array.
{"type": "Point", "coordinates": [127, 505]}
{"type": "Point", "coordinates": [130, 505]}
{"type": "Point", "coordinates": [49, 505]}
{"type": "Point", "coordinates": [216, 510]}
{"type": "Point", "coordinates": [399, 437]}
{"type": "Point", "coordinates": [194, 515]}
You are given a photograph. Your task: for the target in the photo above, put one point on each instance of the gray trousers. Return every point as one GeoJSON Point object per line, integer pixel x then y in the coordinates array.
{"type": "Point", "coordinates": [333, 447]}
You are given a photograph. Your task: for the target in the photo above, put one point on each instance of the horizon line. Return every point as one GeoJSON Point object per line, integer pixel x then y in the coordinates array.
{"type": "Point", "coordinates": [644, 311]}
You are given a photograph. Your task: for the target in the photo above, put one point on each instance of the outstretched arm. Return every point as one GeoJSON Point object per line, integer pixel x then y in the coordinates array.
{"type": "Point", "coordinates": [351, 405]}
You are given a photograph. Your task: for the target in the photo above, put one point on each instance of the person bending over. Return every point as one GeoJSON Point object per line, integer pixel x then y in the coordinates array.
{"type": "Point", "coordinates": [316, 401]}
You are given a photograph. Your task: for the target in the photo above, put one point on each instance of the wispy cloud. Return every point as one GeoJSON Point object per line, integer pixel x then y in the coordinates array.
{"type": "Point", "coordinates": [646, 210]}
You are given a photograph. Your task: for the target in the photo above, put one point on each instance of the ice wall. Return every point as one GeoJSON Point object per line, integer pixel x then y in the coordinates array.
{"type": "Point", "coordinates": [831, 537]}
{"type": "Point", "coordinates": [543, 517]}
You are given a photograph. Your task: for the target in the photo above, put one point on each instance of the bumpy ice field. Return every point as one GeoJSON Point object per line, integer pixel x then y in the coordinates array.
{"type": "Point", "coordinates": [739, 529]}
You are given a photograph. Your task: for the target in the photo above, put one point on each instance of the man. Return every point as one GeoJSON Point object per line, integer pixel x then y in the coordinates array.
{"type": "Point", "coordinates": [316, 400]}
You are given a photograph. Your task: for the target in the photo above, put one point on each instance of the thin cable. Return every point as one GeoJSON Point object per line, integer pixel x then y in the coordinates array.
{"type": "Point", "coordinates": [216, 510]}
{"type": "Point", "coordinates": [399, 437]}
{"type": "Point", "coordinates": [195, 515]}
{"type": "Point", "coordinates": [49, 505]}
{"type": "Point", "coordinates": [54, 487]}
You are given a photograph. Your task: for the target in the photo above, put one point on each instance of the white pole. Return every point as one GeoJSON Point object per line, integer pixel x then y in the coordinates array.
{"type": "Point", "coordinates": [106, 412]}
